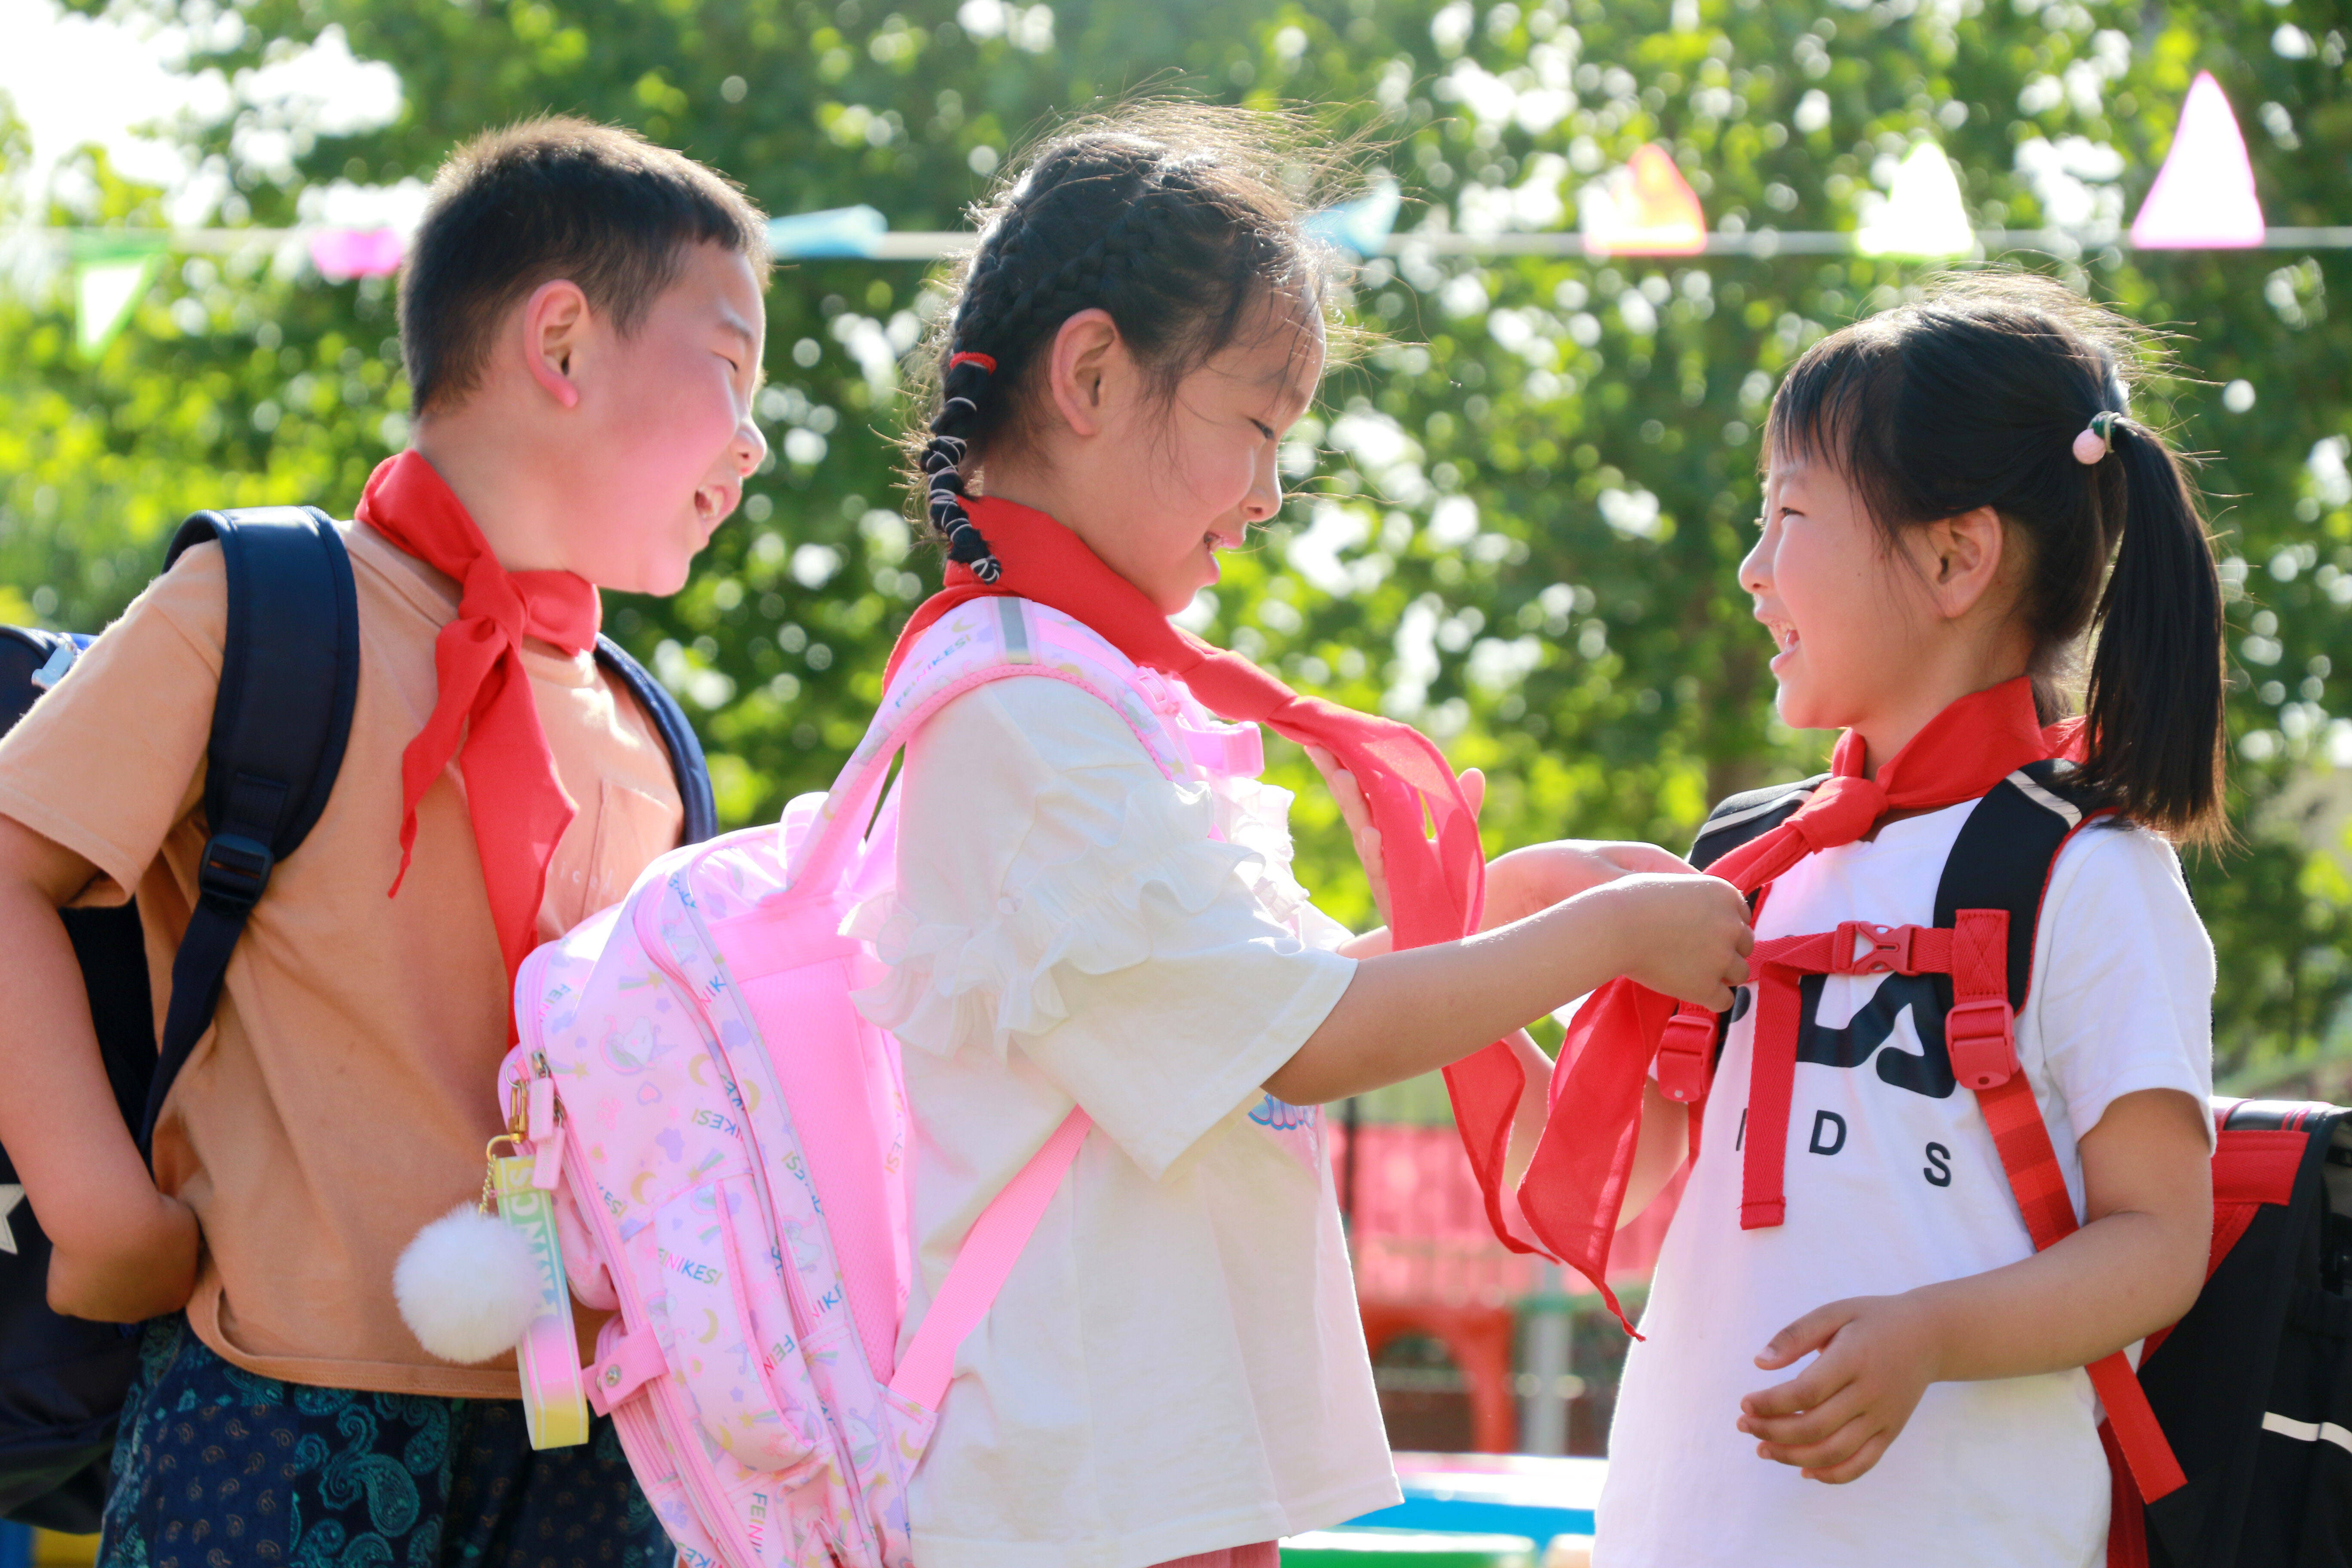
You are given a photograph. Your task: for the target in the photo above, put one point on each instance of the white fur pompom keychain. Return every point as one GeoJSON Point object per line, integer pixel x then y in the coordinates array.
{"type": "Point", "coordinates": [467, 1285]}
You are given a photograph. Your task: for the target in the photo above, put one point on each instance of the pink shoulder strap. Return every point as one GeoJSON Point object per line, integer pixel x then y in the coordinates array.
{"type": "Point", "coordinates": [980, 1270]}
{"type": "Point", "coordinates": [994, 640]}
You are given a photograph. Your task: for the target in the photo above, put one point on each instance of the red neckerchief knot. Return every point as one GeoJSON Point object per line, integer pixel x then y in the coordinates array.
{"type": "Point", "coordinates": [1575, 1186]}
{"type": "Point", "coordinates": [484, 714]}
{"type": "Point", "coordinates": [1436, 881]}
{"type": "Point", "coordinates": [1843, 810]}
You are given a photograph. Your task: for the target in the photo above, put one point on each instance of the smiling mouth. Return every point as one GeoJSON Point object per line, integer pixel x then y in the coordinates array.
{"type": "Point", "coordinates": [1784, 637]}
{"type": "Point", "coordinates": [712, 503]}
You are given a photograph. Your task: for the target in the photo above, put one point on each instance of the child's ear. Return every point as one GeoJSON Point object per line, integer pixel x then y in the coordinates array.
{"type": "Point", "coordinates": [555, 323]}
{"type": "Point", "coordinates": [1965, 554]}
{"type": "Point", "coordinates": [1088, 349]}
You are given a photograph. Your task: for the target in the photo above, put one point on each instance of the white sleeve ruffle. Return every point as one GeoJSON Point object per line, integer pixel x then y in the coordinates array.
{"type": "Point", "coordinates": [1141, 876]}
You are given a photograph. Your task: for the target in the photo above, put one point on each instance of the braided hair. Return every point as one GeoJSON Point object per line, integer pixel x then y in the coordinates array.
{"type": "Point", "coordinates": [1175, 219]}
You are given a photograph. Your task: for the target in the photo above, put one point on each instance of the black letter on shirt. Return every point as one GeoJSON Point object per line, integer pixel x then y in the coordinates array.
{"type": "Point", "coordinates": [1823, 1121]}
{"type": "Point", "coordinates": [1742, 1137]}
{"type": "Point", "coordinates": [1939, 1170]}
{"type": "Point", "coordinates": [1928, 1073]}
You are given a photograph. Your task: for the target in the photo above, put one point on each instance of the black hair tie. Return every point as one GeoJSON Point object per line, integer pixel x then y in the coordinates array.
{"type": "Point", "coordinates": [942, 464]}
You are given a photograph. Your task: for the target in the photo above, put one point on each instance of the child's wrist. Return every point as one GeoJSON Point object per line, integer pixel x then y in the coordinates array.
{"type": "Point", "coordinates": [100, 1217]}
{"type": "Point", "coordinates": [1592, 931]}
{"type": "Point", "coordinates": [1942, 1330]}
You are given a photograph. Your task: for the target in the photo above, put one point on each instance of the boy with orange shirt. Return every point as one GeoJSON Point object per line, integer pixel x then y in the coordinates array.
{"type": "Point", "coordinates": [583, 324]}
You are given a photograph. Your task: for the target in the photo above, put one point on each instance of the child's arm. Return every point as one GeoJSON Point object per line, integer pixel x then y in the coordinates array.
{"type": "Point", "coordinates": [122, 1250]}
{"type": "Point", "coordinates": [1658, 1153]}
{"type": "Point", "coordinates": [1406, 1013]}
{"type": "Point", "coordinates": [1519, 883]}
{"type": "Point", "coordinates": [2136, 1266]}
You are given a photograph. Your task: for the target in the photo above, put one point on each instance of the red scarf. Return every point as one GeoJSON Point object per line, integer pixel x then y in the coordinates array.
{"type": "Point", "coordinates": [518, 803]}
{"type": "Point", "coordinates": [1436, 884]}
{"type": "Point", "coordinates": [1575, 1186]}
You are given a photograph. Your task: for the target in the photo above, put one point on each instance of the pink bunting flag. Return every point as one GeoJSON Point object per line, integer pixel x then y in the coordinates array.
{"type": "Point", "coordinates": [2203, 198]}
{"type": "Point", "coordinates": [341, 254]}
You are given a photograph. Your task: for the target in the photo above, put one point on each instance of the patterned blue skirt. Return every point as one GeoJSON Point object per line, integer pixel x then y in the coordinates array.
{"type": "Point", "coordinates": [219, 1468]}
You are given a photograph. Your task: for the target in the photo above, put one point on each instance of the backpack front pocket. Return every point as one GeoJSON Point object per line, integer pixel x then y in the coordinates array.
{"type": "Point", "coordinates": [726, 1329]}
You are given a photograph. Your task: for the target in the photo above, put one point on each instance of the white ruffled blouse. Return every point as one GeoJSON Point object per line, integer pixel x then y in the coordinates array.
{"type": "Point", "coordinates": [1176, 1364]}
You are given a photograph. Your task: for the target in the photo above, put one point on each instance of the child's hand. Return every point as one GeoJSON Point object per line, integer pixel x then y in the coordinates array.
{"type": "Point", "coordinates": [1531, 879]}
{"type": "Point", "coordinates": [1357, 814]}
{"type": "Point", "coordinates": [1836, 1418]}
{"type": "Point", "coordinates": [1687, 936]}
{"type": "Point", "coordinates": [146, 1267]}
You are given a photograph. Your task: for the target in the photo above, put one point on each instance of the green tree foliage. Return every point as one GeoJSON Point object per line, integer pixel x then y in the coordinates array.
{"type": "Point", "coordinates": [1517, 522]}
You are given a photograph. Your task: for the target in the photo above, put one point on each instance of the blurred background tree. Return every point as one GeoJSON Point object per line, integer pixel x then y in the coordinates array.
{"type": "Point", "coordinates": [1516, 522]}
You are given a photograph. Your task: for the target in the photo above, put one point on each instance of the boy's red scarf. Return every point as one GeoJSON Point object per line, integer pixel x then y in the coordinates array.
{"type": "Point", "coordinates": [1575, 1186]}
{"type": "Point", "coordinates": [517, 801]}
{"type": "Point", "coordinates": [1436, 881]}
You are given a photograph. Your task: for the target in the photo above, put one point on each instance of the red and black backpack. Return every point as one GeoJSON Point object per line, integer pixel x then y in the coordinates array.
{"type": "Point", "coordinates": [2232, 1447]}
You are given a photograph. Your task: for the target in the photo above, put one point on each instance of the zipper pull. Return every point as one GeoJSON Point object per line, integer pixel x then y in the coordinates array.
{"type": "Point", "coordinates": [542, 1124]}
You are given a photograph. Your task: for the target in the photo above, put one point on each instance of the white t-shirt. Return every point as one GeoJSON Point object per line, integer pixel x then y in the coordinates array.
{"type": "Point", "coordinates": [1176, 1364]}
{"type": "Point", "coordinates": [1891, 1185]}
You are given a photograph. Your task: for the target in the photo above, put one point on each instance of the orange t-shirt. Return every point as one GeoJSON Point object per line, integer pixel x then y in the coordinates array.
{"type": "Point", "coordinates": [342, 1097]}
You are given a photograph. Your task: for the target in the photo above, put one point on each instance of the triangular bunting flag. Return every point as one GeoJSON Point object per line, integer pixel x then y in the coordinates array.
{"type": "Point", "coordinates": [1645, 208]}
{"type": "Point", "coordinates": [342, 253]}
{"type": "Point", "coordinates": [110, 276]}
{"type": "Point", "coordinates": [2203, 198]}
{"type": "Point", "coordinates": [1360, 226]}
{"type": "Point", "coordinates": [836, 231]}
{"type": "Point", "coordinates": [1921, 215]}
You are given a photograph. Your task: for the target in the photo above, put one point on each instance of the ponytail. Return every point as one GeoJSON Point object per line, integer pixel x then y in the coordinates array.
{"type": "Point", "coordinates": [2004, 390]}
{"type": "Point", "coordinates": [2154, 701]}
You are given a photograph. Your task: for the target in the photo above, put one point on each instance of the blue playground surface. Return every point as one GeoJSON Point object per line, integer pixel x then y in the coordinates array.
{"type": "Point", "coordinates": [1493, 1494]}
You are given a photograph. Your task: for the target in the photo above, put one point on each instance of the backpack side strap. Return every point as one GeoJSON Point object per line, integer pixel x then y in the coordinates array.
{"type": "Point", "coordinates": [686, 758]}
{"type": "Point", "coordinates": [289, 675]}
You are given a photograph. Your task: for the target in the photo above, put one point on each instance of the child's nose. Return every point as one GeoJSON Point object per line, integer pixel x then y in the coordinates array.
{"type": "Point", "coordinates": [1264, 498]}
{"type": "Point", "coordinates": [751, 447]}
{"type": "Point", "coordinates": [1755, 569]}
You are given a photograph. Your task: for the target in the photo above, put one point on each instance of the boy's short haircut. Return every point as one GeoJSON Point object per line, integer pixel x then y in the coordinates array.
{"type": "Point", "coordinates": [547, 198]}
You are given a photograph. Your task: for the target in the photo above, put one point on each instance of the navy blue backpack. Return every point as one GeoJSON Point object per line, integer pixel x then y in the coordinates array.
{"type": "Point", "coordinates": [289, 673]}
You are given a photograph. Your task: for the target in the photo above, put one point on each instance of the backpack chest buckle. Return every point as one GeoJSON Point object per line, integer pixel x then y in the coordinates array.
{"type": "Point", "coordinates": [1863, 948]}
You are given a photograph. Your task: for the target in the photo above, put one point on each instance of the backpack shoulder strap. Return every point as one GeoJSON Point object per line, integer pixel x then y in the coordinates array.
{"type": "Point", "coordinates": [2002, 859]}
{"type": "Point", "coordinates": [686, 758]}
{"type": "Point", "coordinates": [1749, 815]}
{"type": "Point", "coordinates": [1991, 892]}
{"type": "Point", "coordinates": [289, 675]}
{"type": "Point", "coordinates": [993, 638]}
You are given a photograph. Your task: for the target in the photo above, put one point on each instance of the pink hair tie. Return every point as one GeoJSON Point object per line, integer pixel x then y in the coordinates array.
{"type": "Point", "coordinates": [2092, 444]}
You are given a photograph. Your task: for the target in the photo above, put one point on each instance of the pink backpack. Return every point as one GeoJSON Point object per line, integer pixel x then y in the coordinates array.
{"type": "Point", "coordinates": [724, 1136]}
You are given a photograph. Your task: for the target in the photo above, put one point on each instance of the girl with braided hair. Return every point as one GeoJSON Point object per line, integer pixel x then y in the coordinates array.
{"type": "Point", "coordinates": [1175, 1370]}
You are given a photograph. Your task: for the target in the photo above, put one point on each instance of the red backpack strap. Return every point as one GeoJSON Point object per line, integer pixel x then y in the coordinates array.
{"type": "Point", "coordinates": [1693, 1035]}
{"type": "Point", "coordinates": [2030, 1163]}
{"type": "Point", "coordinates": [1990, 896]}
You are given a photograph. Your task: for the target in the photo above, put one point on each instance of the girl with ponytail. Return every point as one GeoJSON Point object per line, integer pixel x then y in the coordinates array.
{"type": "Point", "coordinates": [1174, 1369]}
{"type": "Point", "coordinates": [1930, 1204]}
